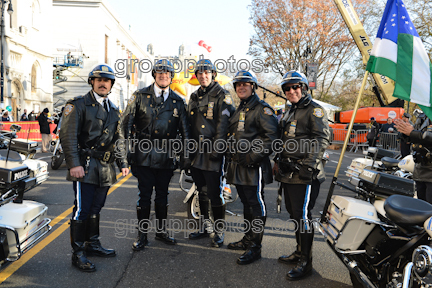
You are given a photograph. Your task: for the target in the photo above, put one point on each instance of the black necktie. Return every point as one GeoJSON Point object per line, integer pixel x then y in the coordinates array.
{"type": "Point", "coordinates": [159, 100]}
{"type": "Point", "coordinates": [105, 104]}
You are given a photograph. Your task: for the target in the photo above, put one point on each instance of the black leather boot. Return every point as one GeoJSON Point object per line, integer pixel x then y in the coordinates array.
{"type": "Point", "coordinates": [295, 256]}
{"type": "Point", "coordinates": [204, 229]}
{"type": "Point", "coordinates": [244, 242]}
{"type": "Point", "coordinates": [219, 226]}
{"type": "Point", "coordinates": [161, 217]}
{"type": "Point", "coordinates": [253, 251]}
{"type": "Point", "coordinates": [93, 245]}
{"type": "Point", "coordinates": [304, 264]}
{"type": "Point", "coordinates": [78, 236]}
{"type": "Point", "coordinates": [143, 216]}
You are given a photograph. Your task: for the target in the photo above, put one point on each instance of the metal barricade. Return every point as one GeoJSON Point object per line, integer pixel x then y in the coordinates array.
{"type": "Point", "coordinates": [358, 139]}
{"type": "Point", "coordinates": [389, 141]}
{"type": "Point", "coordinates": [338, 137]}
{"type": "Point", "coordinates": [361, 139]}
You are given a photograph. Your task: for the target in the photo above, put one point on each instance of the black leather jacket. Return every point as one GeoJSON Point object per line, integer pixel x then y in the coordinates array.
{"type": "Point", "coordinates": [306, 135]}
{"type": "Point", "coordinates": [158, 125]}
{"type": "Point", "coordinates": [421, 139]}
{"type": "Point", "coordinates": [87, 128]}
{"type": "Point", "coordinates": [209, 111]}
{"type": "Point", "coordinates": [260, 124]}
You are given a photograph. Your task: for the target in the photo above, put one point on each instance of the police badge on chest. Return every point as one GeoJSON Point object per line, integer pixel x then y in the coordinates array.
{"type": "Point", "coordinates": [241, 123]}
{"type": "Point", "coordinates": [292, 128]}
{"type": "Point", "coordinates": [210, 110]}
{"type": "Point", "coordinates": [175, 113]}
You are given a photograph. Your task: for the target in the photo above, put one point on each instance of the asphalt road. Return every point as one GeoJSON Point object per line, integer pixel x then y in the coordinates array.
{"type": "Point", "coordinates": [188, 264]}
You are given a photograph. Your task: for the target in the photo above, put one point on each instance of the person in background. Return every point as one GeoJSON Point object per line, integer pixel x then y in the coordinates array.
{"type": "Point", "coordinates": [32, 116]}
{"type": "Point", "coordinates": [373, 134]}
{"type": "Point", "coordinates": [45, 129]}
{"type": "Point", "coordinates": [389, 126]}
{"type": "Point", "coordinates": [6, 117]}
{"type": "Point", "coordinates": [24, 116]}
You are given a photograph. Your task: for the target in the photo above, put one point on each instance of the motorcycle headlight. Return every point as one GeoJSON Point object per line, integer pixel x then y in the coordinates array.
{"type": "Point", "coordinates": [422, 259]}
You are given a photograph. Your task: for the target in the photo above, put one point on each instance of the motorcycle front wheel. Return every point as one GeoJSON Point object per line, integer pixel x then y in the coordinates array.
{"type": "Point", "coordinates": [57, 160]}
{"type": "Point", "coordinates": [193, 209]}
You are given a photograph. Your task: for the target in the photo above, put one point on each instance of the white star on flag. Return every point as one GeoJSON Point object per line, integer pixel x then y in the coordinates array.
{"type": "Point", "coordinates": [403, 17]}
{"type": "Point", "coordinates": [394, 15]}
{"type": "Point", "coordinates": [406, 22]}
{"type": "Point", "coordinates": [392, 20]}
{"type": "Point", "coordinates": [393, 24]}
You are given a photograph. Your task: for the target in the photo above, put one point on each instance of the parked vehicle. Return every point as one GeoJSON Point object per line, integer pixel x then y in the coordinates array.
{"type": "Point", "coordinates": [188, 186]}
{"type": "Point", "coordinates": [58, 156]}
{"type": "Point", "coordinates": [22, 222]}
{"type": "Point", "coordinates": [382, 235]}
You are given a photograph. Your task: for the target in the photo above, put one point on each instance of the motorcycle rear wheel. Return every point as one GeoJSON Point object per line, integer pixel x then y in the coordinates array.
{"type": "Point", "coordinates": [57, 160]}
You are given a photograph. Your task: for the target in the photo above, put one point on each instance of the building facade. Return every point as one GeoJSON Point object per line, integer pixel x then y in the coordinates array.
{"type": "Point", "coordinates": [101, 37]}
{"type": "Point", "coordinates": [27, 56]}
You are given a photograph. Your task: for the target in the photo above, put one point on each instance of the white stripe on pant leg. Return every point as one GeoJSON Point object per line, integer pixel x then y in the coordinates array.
{"type": "Point", "coordinates": [78, 197]}
{"type": "Point", "coordinates": [221, 186]}
{"type": "Point", "coordinates": [305, 206]}
{"type": "Point", "coordinates": [259, 192]}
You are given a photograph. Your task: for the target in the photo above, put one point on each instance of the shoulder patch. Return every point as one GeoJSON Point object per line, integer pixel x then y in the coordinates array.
{"type": "Point", "coordinates": [268, 111]}
{"type": "Point", "coordinates": [132, 98]}
{"type": "Point", "coordinates": [68, 109]}
{"type": "Point", "coordinates": [228, 99]}
{"type": "Point", "coordinates": [318, 112]}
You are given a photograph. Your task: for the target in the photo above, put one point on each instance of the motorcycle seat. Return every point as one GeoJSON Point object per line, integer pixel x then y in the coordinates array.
{"type": "Point", "coordinates": [389, 162]}
{"type": "Point", "coordinates": [404, 210]}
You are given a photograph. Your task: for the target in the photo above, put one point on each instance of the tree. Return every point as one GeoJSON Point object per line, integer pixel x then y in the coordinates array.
{"type": "Point", "coordinates": [286, 29]}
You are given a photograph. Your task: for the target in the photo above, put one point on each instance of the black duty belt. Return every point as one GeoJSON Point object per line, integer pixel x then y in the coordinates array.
{"type": "Point", "coordinates": [105, 156]}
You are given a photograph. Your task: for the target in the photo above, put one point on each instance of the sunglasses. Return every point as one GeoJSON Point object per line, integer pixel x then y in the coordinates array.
{"type": "Point", "coordinates": [294, 87]}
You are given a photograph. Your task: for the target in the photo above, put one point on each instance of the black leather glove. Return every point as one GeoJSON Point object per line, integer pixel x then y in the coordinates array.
{"type": "Point", "coordinates": [287, 167]}
{"type": "Point", "coordinates": [244, 159]}
{"type": "Point", "coordinates": [306, 173]}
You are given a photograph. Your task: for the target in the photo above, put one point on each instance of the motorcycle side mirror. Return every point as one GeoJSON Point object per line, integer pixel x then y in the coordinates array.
{"type": "Point", "coordinates": [15, 128]}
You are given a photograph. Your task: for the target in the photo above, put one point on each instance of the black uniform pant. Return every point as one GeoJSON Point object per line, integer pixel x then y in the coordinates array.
{"type": "Point", "coordinates": [405, 148]}
{"type": "Point", "coordinates": [252, 198]}
{"type": "Point", "coordinates": [89, 199]}
{"type": "Point", "coordinates": [149, 178]}
{"type": "Point", "coordinates": [299, 202]}
{"type": "Point", "coordinates": [424, 191]}
{"type": "Point", "coordinates": [213, 182]}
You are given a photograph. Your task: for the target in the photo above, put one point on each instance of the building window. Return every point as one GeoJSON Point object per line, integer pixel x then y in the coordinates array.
{"type": "Point", "coordinates": [33, 79]}
{"type": "Point", "coordinates": [35, 14]}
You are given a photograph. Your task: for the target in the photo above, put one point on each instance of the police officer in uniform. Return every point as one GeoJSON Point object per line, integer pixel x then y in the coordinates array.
{"type": "Point", "coordinates": [90, 129]}
{"type": "Point", "coordinates": [209, 110]}
{"type": "Point", "coordinates": [157, 114]}
{"type": "Point", "coordinates": [253, 125]}
{"type": "Point", "coordinates": [420, 135]}
{"type": "Point", "coordinates": [305, 134]}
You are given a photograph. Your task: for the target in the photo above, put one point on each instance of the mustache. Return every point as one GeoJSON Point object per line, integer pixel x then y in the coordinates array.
{"type": "Point", "coordinates": [102, 87]}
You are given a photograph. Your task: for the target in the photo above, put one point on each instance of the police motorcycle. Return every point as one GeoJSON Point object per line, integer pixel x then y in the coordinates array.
{"type": "Point", "coordinates": [58, 156]}
{"type": "Point", "coordinates": [188, 186]}
{"type": "Point", "coordinates": [381, 160]}
{"type": "Point", "coordinates": [25, 150]}
{"type": "Point", "coordinates": [22, 222]}
{"type": "Point", "coordinates": [381, 234]}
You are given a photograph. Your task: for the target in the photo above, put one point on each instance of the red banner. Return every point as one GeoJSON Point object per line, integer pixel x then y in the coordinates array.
{"type": "Point", "coordinates": [29, 129]}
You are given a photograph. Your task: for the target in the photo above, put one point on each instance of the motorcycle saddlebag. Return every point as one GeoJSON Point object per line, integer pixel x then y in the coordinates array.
{"type": "Point", "coordinates": [351, 220]}
{"type": "Point", "coordinates": [25, 218]}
